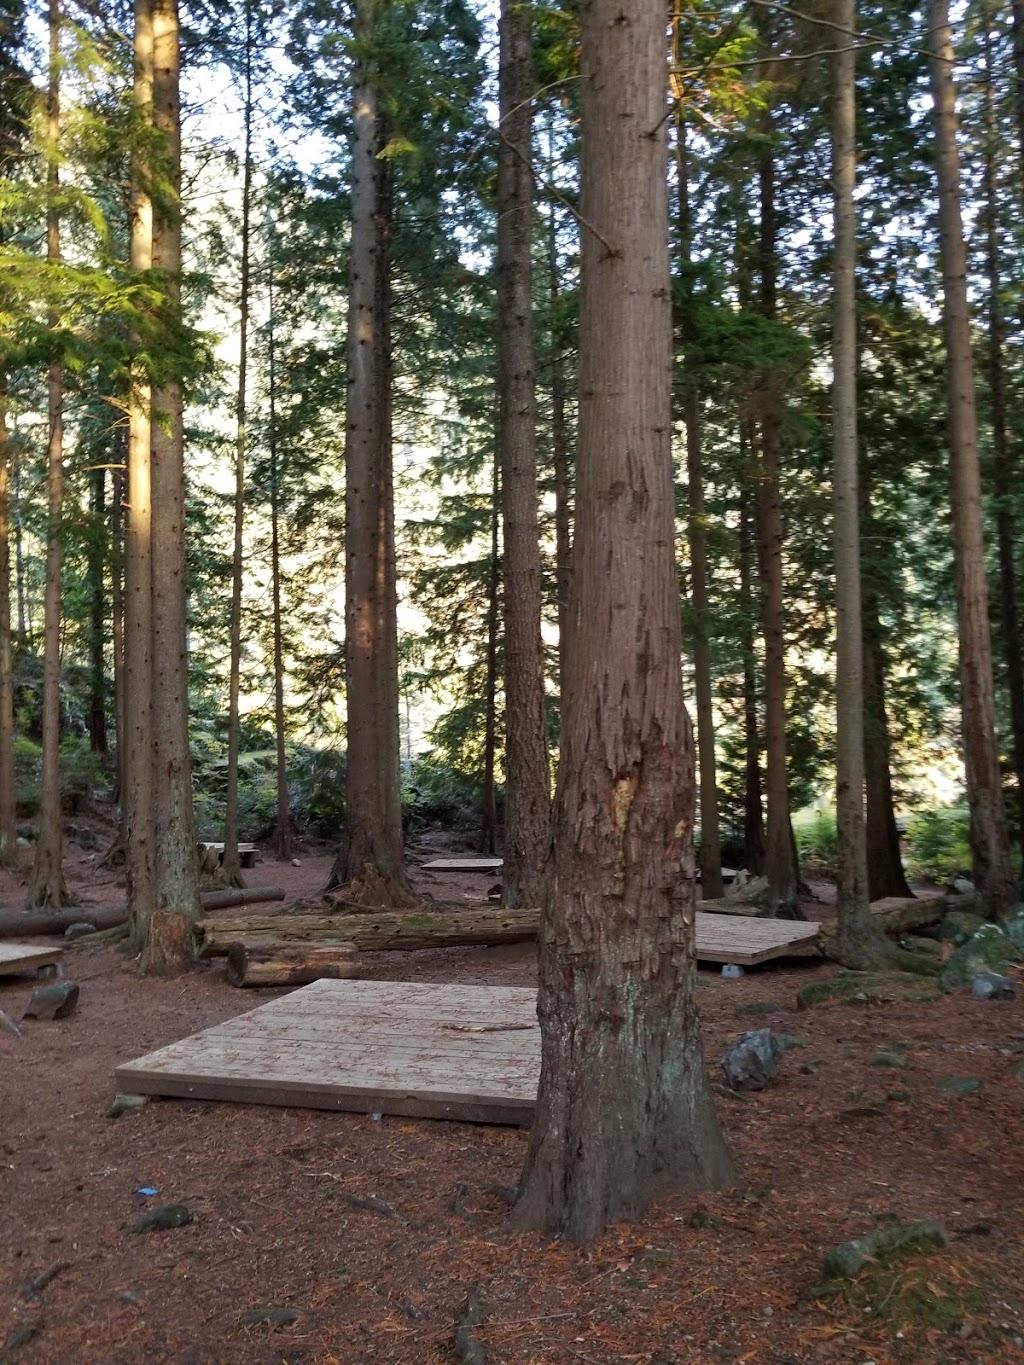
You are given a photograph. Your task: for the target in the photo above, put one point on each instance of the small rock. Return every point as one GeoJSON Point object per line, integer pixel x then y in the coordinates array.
{"type": "Point", "coordinates": [883, 1058]}
{"type": "Point", "coordinates": [732, 971]}
{"type": "Point", "coordinates": [848, 1259]}
{"type": "Point", "coordinates": [273, 1317]}
{"type": "Point", "coordinates": [752, 1062]}
{"type": "Point", "coordinates": [810, 1068]}
{"type": "Point", "coordinates": [992, 986]}
{"type": "Point", "coordinates": [166, 1216]}
{"type": "Point", "coordinates": [53, 1002]}
{"type": "Point", "coordinates": [961, 886]}
{"type": "Point", "coordinates": [20, 1335]}
{"type": "Point", "coordinates": [898, 1096]}
{"type": "Point", "coordinates": [79, 929]}
{"type": "Point", "coordinates": [9, 1026]}
{"type": "Point", "coordinates": [788, 1040]}
{"type": "Point", "coordinates": [129, 1296]}
{"type": "Point", "coordinates": [51, 970]}
{"type": "Point", "coordinates": [296, 863]}
{"type": "Point", "coordinates": [125, 1104]}
{"type": "Point", "coordinates": [959, 1085]}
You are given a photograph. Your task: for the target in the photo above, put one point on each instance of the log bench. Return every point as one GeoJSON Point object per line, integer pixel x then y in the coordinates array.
{"type": "Point", "coordinates": [270, 962]}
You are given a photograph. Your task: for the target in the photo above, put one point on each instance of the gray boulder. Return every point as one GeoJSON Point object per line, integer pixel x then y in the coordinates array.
{"type": "Point", "coordinates": [992, 986]}
{"type": "Point", "coordinates": [751, 1063]}
{"type": "Point", "coordinates": [53, 1002]}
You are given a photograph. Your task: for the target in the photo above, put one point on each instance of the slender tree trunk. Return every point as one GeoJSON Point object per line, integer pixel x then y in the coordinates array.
{"type": "Point", "coordinates": [710, 856]}
{"type": "Point", "coordinates": [19, 552]}
{"type": "Point", "coordinates": [561, 457]}
{"type": "Point", "coordinates": [136, 743]}
{"type": "Point", "coordinates": [527, 835]}
{"type": "Point", "coordinates": [623, 1111]}
{"type": "Point", "coordinates": [46, 887]}
{"type": "Point", "coordinates": [488, 803]}
{"type": "Point", "coordinates": [859, 942]}
{"type": "Point", "coordinates": [98, 617]}
{"type": "Point", "coordinates": [753, 809]}
{"type": "Point", "coordinates": [993, 875]}
{"type": "Point", "coordinates": [371, 855]}
{"type": "Point", "coordinates": [8, 810]}
{"type": "Point", "coordinates": [885, 864]}
{"type": "Point", "coordinates": [168, 946]}
{"type": "Point", "coordinates": [231, 864]}
{"type": "Point", "coordinates": [1005, 471]}
{"type": "Point", "coordinates": [283, 831]}
{"type": "Point", "coordinates": [117, 601]}
{"type": "Point", "coordinates": [780, 867]}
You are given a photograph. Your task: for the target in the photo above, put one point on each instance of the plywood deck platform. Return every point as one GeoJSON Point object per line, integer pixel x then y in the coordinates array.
{"type": "Point", "coordinates": [427, 1051]}
{"type": "Point", "coordinates": [464, 865]}
{"type": "Point", "coordinates": [747, 940]}
{"type": "Point", "coordinates": [27, 957]}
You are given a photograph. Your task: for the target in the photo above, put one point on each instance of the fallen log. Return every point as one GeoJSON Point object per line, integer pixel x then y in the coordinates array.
{"type": "Point", "coordinates": [14, 923]}
{"type": "Point", "coordinates": [273, 963]}
{"type": "Point", "coordinates": [898, 915]}
{"type": "Point", "coordinates": [376, 932]}
{"type": "Point", "coordinates": [239, 895]}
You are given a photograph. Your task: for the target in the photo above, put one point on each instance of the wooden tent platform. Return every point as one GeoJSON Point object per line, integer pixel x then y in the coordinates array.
{"type": "Point", "coordinates": [464, 865]}
{"type": "Point", "coordinates": [426, 1051]}
{"type": "Point", "coordinates": [747, 940]}
{"type": "Point", "coordinates": [27, 957]}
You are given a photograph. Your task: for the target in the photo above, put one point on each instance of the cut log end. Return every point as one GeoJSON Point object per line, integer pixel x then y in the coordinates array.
{"type": "Point", "coordinates": [269, 963]}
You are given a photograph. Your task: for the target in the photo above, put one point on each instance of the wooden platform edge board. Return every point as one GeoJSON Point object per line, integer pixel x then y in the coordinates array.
{"type": "Point", "coordinates": [307, 1095]}
{"type": "Point", "coordinates": [26, 957]}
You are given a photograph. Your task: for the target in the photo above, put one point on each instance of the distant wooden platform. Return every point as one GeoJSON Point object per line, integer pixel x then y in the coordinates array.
{"type": "Point", "coordinates": [26, 957]}
{"type": "Point", "coordinates": [427, 1051]}
{"type": "Point", "coordinates": [747, 940]}
{"type": "Point", "coordinates": [213, 853]}
{"type": "Point", "coordinates": [464, 865]}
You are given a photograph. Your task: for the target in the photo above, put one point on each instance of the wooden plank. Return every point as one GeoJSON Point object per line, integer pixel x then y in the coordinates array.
{"type": "Point", "coordinates": [464, 865]}
{"type": "Point", "coordinates": [26, 957]}
{"type": "Point", "coordinates": [746, 940]}
{"type": "Point", "coordinates": [459, 1052]}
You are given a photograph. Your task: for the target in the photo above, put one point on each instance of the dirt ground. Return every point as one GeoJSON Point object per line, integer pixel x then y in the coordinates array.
{"type": "Point", "coordinates": [334, 1238]}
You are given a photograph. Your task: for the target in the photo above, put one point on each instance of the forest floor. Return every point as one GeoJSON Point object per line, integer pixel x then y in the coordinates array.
{"type": "Point", "coordinates": [324, 1237]}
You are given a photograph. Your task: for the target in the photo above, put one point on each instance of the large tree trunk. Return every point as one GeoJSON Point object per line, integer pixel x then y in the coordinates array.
{"type": "Point", "coordinates": [372, 845]}
{"type": "Point", "coordinates": [168, 946]}
{"type": "Point", "coordinates": [283, 836]}
{"type": "Point", "coordinates": [231, 866]}
{"type": "Point", "coordinates": [993, 875]}
{"type": "Point", "coordinates": [46, 887]}
{"type": "Point", "coordinates": [8, 813]}
{"type": "Point", "coordinates": [623, 1111]}
{"type": "Point", "coordinates": [117, 485]}
{"type": "Point", "coordinates": [859, 942]}
{"type": "Point", "coordinates": [780, 864]}
{"type": "Point", "coordinates": [527, 835]}
{"type": "Point", "coordinates": [136, 742]}
{"type": "Point", "coordinates": [1004, 465]}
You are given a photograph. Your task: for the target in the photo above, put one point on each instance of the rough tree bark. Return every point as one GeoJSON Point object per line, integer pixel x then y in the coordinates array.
{"type": "Point", "coordinates": [231, 864]}
{"type": "Point", "coordinates": [561, 456]}
{"type": "Point", "coordinates": [527, 833]}
{"type": "Point", "coordinates": [1005, 471]}
{"type": "Point", "coordinates": [753, 808]}
{"type": "Point", "coordinates": [886, 877]}
{"type": "Point", "coordinates": [993, 874]}
{"type": "Point", "coordinates": [97, 616]}
{"type": "Point", "coordinates": [168, 947]}
{"type": "Point", "coordinates": [46, 886]}
{"type": "Point", "coordinates": [488, 801]}
{"type": "Point", "coordinates": [372, 846]}
{"type": "Point", "coordinates": [136, 741]}
{"type": "Point", "coordinates": [859, 942]}
{"type": "Point", "coordinates": [624, 1111]}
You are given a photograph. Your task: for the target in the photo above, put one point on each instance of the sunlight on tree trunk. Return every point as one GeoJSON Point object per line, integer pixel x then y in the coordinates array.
{"type": "Point", "coordinates": [624, 1112]}
{"type": "Point", "coordinates": [8, 816]}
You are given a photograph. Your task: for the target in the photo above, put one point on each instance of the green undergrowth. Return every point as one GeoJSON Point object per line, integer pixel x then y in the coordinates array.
{"type": "Point", "coordinates": [921, 1295]}
{"type": "Point", "coordinates": [869, 988]}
